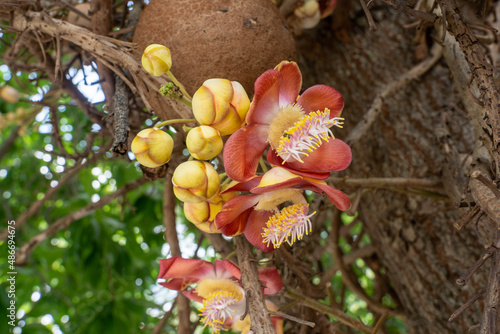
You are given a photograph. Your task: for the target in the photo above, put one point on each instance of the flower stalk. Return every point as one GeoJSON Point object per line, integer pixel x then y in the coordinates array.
{"type": "Point", "coordinates": [175, 121]}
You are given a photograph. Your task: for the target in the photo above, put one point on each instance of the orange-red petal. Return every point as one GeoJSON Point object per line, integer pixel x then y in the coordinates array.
{"type": "Point", "coordinates": [242, 186]}
{"type": "Point", "coordinates": [276, 160]}
{"type": "Point", "coordinates": [191, 294]}
{"type": "Point", "coordinates": [319, 97]}
{"type": "Point", "coordinates": [333, 155]}
{"type": "Point", "coordinates": [335, 196]}
{"type": "Point", "coordinates": [265, 103]}
{"type": "Point", "coordinates": [243, 151]}
{"type": "Point", "coordinates": [291, 84]}
{"type": "Point", "coordinates": [230, 218]}
{"type": "Point", "coordinates": [255, 226]}
{"type": "Point", "coordinates": [276, 178]}
{"type": "Point", "coordinates": [238, 225]}
{"type": "Point", "coordinates": [226, 269]}
{"type": "Point", "coordinates": [271, 279]}
{"type": "Point", "coordinates": [181, 272]}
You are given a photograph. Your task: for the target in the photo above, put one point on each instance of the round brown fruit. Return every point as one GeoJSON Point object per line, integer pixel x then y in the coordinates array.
{"type": "Point", "coordinates": [232, 39]}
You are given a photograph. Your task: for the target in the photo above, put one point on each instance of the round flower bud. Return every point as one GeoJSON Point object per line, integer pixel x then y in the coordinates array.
{"type": "Point", "coordinates": [156, 59]}
{"type": "Point", "coordinates": [152, 147]}
{"type": "Point", "coordinates": [202, 214]}
{"type": "Point", "coordinates": [9, 94]}
{"type": "Point", "coordinates": [221, 104]}
{"type": "Point", "coordinates": [195, 182]}
{"type": "Point", "coordinates": [204, 142]}
{"type": "Point", "coordinates": [309, 13]}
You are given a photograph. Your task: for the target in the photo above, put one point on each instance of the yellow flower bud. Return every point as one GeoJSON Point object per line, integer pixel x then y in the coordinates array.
{"type": "Point", "coordinates": [309, 13]}
{"type": "Point", "coordinates": [221, 104]}
{"type": "Point", "coordinates": [309, 8]}
{"type": "Point", "coordinates": [202, 215]}
{"type": "Point", "coordinates": [156, 59]}
{"type": "Point", "coordinates": [196, 182]}
{"type": "Point", "coordinates": [152, 147]}
{"type": "Point", "coordinates": [9, 94]}
{"type": "Point", "coordinates": [204, 142]}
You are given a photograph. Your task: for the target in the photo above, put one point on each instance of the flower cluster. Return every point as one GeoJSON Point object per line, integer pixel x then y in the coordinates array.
{"type": "Point", "coordinates": [217, 287]}
{"type": "Point", "coordinates": [265, 204]}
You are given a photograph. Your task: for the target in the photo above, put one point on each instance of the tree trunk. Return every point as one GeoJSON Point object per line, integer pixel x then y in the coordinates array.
{"type": "Point", "coordinates": [422, 131]}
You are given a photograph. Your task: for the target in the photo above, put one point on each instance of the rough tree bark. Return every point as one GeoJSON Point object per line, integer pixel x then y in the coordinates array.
{"type": "Point", "coordinates": [413, 234]}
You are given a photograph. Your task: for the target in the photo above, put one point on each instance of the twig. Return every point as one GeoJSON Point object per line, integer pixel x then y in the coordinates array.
{"type": "Point", "coordinates": [65, 222]}
{"type": "Point", "coordinates": [292, 318]}
{"type": "Point", "coordinates": [261, 321]}
{"type": "Point", "coordinates": [74, 9]}
{"type": "Point", "coordinates": [463, 220]}
{"type": "Point", "coordinates": [486, 181]}
{"type": "Point", "coordinates": [376, 108]}
{"type": "Point", "coordinates": [329, 292]}
{"type": "Point", "coordinates": [160, 325]}
{"type": "Point", "coordinates": [465, 306]}
{"type": "Point", "coordinates": [489, 323]}
{"type": "Point", "coordinates": [120, 105]}
{"type": "Point", "coordinates": [386, 182]}
{"type": "Point", "coordinates": [369, 16]}
{"type": "Point", "coordinates": [323, 308]}
{"type": "Point", "coordinates": [398, 5]}
{"type": "Point", "coordinates": [355, 203]}
{"type": "Point", "coordinates": [482, 193]}
{"type": "Point", "coordinates": [380, 322]}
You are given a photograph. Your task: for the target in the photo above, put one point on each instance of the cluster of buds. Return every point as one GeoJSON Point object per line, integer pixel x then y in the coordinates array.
{"type": "Point", "coordinates": [219, 107]}
{"type": "Point", "coordinates": [267, 206]}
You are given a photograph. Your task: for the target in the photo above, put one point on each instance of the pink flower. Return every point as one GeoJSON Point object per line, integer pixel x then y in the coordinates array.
{"type": "Point", "coordinates": [258, 214]}
{"type": "Point", "coordinates": [218, 288]}
{"type": "Point", "coordinates": [298, 130]}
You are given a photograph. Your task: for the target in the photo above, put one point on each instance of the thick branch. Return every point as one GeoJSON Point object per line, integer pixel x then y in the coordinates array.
{"type": "Point", "coordinates": [482, 72]}
{"type": "Point", "coordinates": [260, 319]}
